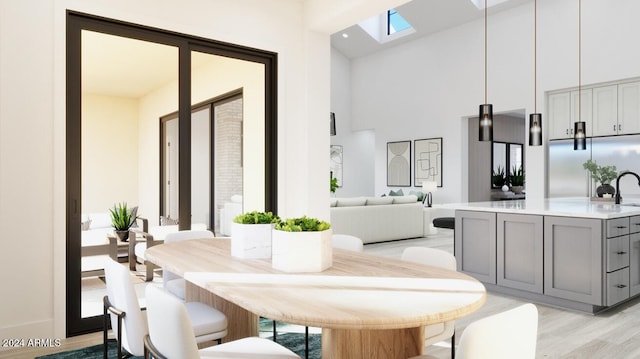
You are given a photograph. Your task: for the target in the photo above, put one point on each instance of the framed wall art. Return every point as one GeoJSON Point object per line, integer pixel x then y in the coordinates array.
{"type": "Point", "coordinates": [335, 163]}
{"type": "Point", "coordinates": [428, 161]}
{"type": "Point", "coordinates": [399, 164]}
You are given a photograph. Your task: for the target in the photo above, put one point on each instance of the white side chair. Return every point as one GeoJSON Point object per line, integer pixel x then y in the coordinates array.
{"type": "Point", "coordinates": [129, 322]}
{"type": "Point", "coordinates": [348, 242]}
{"type": "Point", "coordinates": [438, 258]}
{"type": "Point", "coordinates": [172, 282]}
{"type": "Point", "coordinates": [171, 336]}
{"type": "Point", "coordinates": [506, 335]}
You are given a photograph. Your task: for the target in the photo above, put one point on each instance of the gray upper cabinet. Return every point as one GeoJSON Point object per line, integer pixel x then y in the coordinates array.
{"type": "Point", "coordinates": [573, 259]}
{"type": "Point", "coordinates": [519, 245]}
{"type": "Point", "coordinates": [475, 244]}
{"type": "Point", "coordinates": [605, 111]}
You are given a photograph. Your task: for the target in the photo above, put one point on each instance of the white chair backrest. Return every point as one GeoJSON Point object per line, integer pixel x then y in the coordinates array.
{"type": "Point", "coordinates": [510, 334]}
{"type": "Point", "coordinates": [183, 236]}
{"type": "Point", "coordinates": [122, 295]}
{"type": "Point", "coordinates": [348, 242]}
{"type": "Point", "coordinates": [170, 329]}
{"type": "Point", "coordinates": [430, 256]}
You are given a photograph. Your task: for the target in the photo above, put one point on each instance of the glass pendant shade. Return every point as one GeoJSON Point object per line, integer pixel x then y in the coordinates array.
{"type": "Point", "coordinates": [486, 122]}
{"type": "Point", "coordinates": [579, 135]}
{"type": "Point", "coordinates": [535, 129]}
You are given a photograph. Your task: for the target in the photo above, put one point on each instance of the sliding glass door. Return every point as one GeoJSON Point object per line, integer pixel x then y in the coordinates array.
{"type": "Point", "coordinates": [113, 148]}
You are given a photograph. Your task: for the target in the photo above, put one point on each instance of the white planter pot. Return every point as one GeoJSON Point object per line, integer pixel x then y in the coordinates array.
{"type": "Point", "coordinates": [301, 252]}
{"type": "Point", "coordinates": [251, 240]}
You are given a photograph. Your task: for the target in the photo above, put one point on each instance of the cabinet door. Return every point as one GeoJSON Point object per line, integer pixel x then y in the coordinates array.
{"type": "Point", "coordinates": [519, 245]}
{"type": "Point", "coordinates": [560, 116]}
{"type": "Point", "coordinates": [629, 108]}
{"type": "Point", "coordinates": [573, 267]}
{"type": "Point", "coordinates": [475, 244]}
{"type": "Point", "coordinates": [586, 112]}
{"type": "Point", "coordinates": [605, 111]}
{"type": "Point", "coordinates": [634, 264]}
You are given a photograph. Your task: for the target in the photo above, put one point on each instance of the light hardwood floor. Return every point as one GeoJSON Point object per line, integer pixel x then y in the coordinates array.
{"type": "Point", "coordinates": [561, 333]}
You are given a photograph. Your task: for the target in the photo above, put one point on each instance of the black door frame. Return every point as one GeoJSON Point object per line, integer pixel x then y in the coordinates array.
{"type": "Point", "coordinates": [75, 23]}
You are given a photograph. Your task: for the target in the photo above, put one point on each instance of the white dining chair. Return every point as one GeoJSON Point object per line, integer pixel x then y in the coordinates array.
{"type": "Point", "coordinates": [434, 333]}
{"type": "Point", "coordinates": [347, 241]}
{"type": "Point", "coordinates": [172, 282]}
{"type": "Point", "coordinates": [171, 335]}
{"type": "Point", "coordinates": [510, 334]}
{"type": "Point", "coordinates": [129, 322]}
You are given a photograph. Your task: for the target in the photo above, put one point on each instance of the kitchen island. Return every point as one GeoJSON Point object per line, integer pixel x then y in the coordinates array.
{"type": "Point", "coordinates": [572, 253]}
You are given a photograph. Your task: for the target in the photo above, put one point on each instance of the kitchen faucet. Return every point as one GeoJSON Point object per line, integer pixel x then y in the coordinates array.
{"type": "Point", "coordinates": [618, 183]}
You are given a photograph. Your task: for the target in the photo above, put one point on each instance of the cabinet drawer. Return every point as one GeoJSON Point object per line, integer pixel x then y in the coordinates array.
{"type": "Point", "coordinates": [617, 253]}
{"type": "Point", "coordinates": [634, 224]}
{"type": "Point", "coordinates": [617, 286]}
{"type": "Point", "coordinates": [617, 227]}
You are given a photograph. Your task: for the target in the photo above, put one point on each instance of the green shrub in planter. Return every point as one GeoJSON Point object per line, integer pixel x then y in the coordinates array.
{"type": "Point", "coordinates": [302, 224]}
{"type": "Point", "coordinates": [256, 217]}
{"type": "Point", "coordinates": [122, 219]}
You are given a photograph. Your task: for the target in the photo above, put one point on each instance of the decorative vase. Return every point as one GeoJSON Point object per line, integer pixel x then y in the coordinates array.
{"type": "Point", "coordinates": [301, 252]}
{"type": "Point", "coordinates": [505, 188]}
{"type": "Point", "coordinates": [605, 188]}
{"type": "Point", "coordinates": [122, 235]}
{"type": "Point", "coordinates": [251, 240]}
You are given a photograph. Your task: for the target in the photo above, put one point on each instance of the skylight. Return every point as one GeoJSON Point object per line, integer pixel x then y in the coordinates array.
{"type": "Point", "coordinates": [395, 22]}
{"type": "Point", "coordinates": [387, 26]}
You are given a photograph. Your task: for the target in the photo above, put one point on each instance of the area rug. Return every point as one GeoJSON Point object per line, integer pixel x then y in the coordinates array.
{"type": "Point", "coordinates": [293, 341]}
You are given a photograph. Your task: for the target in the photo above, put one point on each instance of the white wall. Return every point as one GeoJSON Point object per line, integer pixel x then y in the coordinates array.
{"type": "Point", "coordinates": [357, 146]}
{"type": "Point", "coordinates": [109, 152]}
{"type": "Point", "coordinates": [430, 85]}
{"type": "Point", "coordinates": [32, 128]}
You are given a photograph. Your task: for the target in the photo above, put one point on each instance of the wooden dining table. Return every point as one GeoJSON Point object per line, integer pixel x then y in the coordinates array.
{"type": "Point", "coordinates": [368, 306]}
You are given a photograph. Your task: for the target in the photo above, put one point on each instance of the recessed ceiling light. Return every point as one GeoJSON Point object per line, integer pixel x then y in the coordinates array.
{"type": "Point", "coordinates": [345, 35]}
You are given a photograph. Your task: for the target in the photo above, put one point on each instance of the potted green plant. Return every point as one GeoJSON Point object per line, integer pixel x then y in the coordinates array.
{"type": "Point", "coordinates": [122, 219]}
{"type": "Point", "coordinates": [301, 245]}
{"type": "Point", "coordinates": [497, 178]}
{"type": "Point", "coordinates": [333, 185]}
{"type": "Point", "coordinates": [517, 179]}
{"type": "Point", "coordinates": [603, 175]}
{"type": "Point", "coordinates": [251, 234]}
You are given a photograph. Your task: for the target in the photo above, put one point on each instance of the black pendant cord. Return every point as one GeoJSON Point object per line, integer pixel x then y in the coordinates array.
{"type": "Point", "coordinates": [485, 52]}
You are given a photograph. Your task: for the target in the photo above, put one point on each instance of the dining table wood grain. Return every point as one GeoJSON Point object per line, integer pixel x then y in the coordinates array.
{"type": "Point", "coordinates": [368, 306]}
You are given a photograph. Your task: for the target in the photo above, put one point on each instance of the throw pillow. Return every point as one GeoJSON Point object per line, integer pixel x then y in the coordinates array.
{"type": "Point", "coordinates": [396, 193]}
{"type": "Point", "coordinates": [418, 194]}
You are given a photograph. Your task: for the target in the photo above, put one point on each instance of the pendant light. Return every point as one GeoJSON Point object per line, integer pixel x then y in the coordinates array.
{"type": "Point", "coordinates": [486, 109]}
{"type": "Point", "coordinates": [580, 127]}
{"type": "Point", "coordinates": [535, 119]}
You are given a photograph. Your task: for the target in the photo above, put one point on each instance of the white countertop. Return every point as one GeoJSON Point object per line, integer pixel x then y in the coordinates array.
{"type": "Point", "coordinates": [564, 207]}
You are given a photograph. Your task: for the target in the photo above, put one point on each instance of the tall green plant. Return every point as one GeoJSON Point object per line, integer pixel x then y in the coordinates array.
{"type": "Point", "coordinates": [517, 176]}
{"type": "Point", "coordinates": [121, 217]}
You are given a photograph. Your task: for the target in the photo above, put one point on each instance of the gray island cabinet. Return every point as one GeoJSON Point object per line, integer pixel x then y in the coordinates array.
{"type": "Point", "coordinates": [568, 253]}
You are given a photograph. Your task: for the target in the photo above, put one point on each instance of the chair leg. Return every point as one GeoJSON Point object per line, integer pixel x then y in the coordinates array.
{"type": "Point", "coordinates": [275, 332]}
{"type": "Point", "coordinates": [105, 330]}
{"type": "Point", "coordinates": [453, 345]}
{"type": "Point", "coordinates": [306, 342]}
{"type": "Point", "coordinates": [149, 271]}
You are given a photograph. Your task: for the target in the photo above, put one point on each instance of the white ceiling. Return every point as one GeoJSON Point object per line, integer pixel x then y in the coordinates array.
{"type": "Point", "coordinates": [117, 66]}
{"type": "Point", "coordinates": [425, 16]}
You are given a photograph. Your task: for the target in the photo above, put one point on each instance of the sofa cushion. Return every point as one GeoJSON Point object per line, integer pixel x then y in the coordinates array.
{"type": "Point", "coordinates": [405, 199]}
{"type": "Point", "coordinates": [376, 201]}
{"type": "Point", "coordinates": [333, 202]}
{"type": "Point", "coordinates": [350, 202]}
